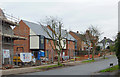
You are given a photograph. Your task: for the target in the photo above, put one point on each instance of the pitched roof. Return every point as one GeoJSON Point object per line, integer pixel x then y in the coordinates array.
{"type": "Point", "coordinates": [37, 28]}
{"type": "Point", "coordinates": [2, 13]}
{"type": "Point", "coordinates": [63, 34]}
{"type": "Point", "coordinates": [70, 37]}
{"type": "Point", "coordinates": [108, 40]}
{"type": "Point", "coordinates": [4, 18]}
{"type": "Point", "coordinates": [79, 35]}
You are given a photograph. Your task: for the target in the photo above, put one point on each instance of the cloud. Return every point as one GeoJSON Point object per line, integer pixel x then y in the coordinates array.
{"type": "Point", "coordinates": [76, 15]}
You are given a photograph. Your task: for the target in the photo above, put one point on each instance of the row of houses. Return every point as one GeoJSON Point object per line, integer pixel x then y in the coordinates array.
{"type": "Point", "coordinates": [38, 40]}
{"type": "Point", "coordinates": [30, 37]}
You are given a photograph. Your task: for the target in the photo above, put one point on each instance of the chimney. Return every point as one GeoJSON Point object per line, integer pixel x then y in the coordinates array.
{"type": "Point", "coordinates": [104, 37]}
{"type": "Point", "coordinates": [87, 31]}
{"type": "Point", "coordinates": [77, 31]}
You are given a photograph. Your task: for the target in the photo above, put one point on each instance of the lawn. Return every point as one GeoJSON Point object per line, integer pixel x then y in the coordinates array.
{"type": "Point", "coordinates": [111, 69]}
{"type": "Point", "coordinates": [88, 61]}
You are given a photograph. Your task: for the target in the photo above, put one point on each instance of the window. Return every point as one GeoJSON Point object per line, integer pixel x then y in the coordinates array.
{"type": "Point", "coordinates": [64, 42]}
{"type": "Point", "coordinates": [84, 42]}
{"type": "Point", "coordinates": [57, 42]}
{"type": "Point", "coordinates": [75, 44]}
{"type": "Point", "coordinates": [47, 41]}
{"type": "Point", "coordinates": [42, 41]}
{"type": "Point", "coordinates": [47, 54]}
{"type": "Point", "coordinates": [68, 42]}
{"type": "Point", "coordinates": [7, 40]}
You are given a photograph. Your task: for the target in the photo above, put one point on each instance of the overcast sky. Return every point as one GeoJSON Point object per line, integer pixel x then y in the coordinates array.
{"type": "Point", "coordinates": [76, 15]}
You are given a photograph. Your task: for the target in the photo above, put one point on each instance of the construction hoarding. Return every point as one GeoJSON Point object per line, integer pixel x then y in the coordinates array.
{"type": "Point", "coordinates": [26, 57]}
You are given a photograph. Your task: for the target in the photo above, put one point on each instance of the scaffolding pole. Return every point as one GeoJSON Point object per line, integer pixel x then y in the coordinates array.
{"type": "Point", "coordinates": [0, 43]}
{"type": "Point", "coordinates": [8, 21]}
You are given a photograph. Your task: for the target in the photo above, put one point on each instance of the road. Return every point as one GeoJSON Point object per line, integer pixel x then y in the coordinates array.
{"type": "Point", "coordinates": [84, 69]}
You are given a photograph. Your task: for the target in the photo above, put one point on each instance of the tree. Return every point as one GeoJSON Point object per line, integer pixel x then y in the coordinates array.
{"type": "Point", "coordinates": [55, 25]}
{"type": "Point", "coordinates": [92, 34]}
{"type": "Point", "coordinates": [88, 43]}
{"type": "Point", "coordinates": [104, 50]}
{"type": "Point", "coordinates": [117, 46]}
{"type": "Point", "coordinates": [98, 48]}
{"type": "Point", "coordinates": [112, 48]}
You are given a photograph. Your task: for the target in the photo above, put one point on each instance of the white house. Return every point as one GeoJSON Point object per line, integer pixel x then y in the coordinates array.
{"type": "Point", "coordinates": [106, 42]}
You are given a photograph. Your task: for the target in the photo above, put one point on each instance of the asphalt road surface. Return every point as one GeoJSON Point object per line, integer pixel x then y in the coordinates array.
{"type": "Point", "coordinates": [84, 69]}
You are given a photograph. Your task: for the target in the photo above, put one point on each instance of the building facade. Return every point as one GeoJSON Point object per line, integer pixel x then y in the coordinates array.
{"type": "Point", "coordinates": [82, 41]}
{"type": "Point", "coordinates": [8, 38]}
{"type": "Point", "coordinates": [105, 43]}
{"type": "Point", "coordinates": [69, 48]}
{"type": "Point", "coordinates": [37, 40]}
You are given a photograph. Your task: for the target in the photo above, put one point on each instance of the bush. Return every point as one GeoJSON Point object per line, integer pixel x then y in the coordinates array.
{"type": "Point", "coordinates": [98, 48]}
{"type": "Point", "coordinates": [117, 46]}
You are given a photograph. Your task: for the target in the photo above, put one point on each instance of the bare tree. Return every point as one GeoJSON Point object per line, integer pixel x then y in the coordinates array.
{"type": "Point", "coordinates": [56, 34]}
{"type": "Point", "coordinates": [92, 36]}
{"type": "Point", "coordinates": [104, 50]}
{"type": "Point", "coordinates": [88, 43]}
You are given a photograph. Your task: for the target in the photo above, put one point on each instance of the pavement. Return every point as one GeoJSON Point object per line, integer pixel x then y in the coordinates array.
{"type": "Point", "coordinates": [0, 73]}
{"type": "Point", "coordinates": [84, 69]}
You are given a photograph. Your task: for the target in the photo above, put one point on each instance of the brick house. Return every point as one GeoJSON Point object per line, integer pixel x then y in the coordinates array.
{"type": "Point", "coordinates": [81, 44]}
{"type": "Point", "coordinates": [78, 37]}
{"type": "Point", "coordinates": [68, 50]}
{"type": "Point", "coordinates": [37, 40]}
{"type": "Point", "coordinates": [71, 42]}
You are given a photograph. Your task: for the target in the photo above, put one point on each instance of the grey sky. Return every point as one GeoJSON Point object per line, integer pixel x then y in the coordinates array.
{"type": "Point", "coordinates": [76, 15]}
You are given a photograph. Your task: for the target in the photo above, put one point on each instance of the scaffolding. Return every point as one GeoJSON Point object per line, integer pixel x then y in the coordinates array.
{"type": "Point", "coordinates": [0, 43]}
{"type": "Point", "coordinates": [7, 37]}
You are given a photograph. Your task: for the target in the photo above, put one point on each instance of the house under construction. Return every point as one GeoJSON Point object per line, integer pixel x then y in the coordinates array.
{"type": "Point", "coordinates": [7, 37]}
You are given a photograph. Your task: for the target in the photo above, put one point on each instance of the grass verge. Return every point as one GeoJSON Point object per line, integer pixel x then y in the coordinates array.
{"type": "Point", "coordinates": [111, 69]}
{"type": "Point", "coordinates": [77, 57]}
{"type": "Point", "coordinates": [88, 61]}
{"type": "Point", "coordinates": [105, 58]}
{"type": "Point", "coordinates": [50, 67]}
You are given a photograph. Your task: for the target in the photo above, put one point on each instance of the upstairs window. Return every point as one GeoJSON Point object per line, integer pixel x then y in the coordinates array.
{"type": "Point", "coordinates": [42, 41]}
{"type": "Point", "coordinates": [68, 42]}
{"type": "Point", "coordinates": [47, 41]}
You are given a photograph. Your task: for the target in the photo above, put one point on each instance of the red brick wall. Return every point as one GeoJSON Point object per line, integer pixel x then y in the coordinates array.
{"type": "Point", "coordinates": [79, 41]}
{"type": "Point", "coordinates": [71, 45]}
{"type": "Point", "coordinates": [49, 48]}
{"type": "Point", "coordinates": [24, 31]}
